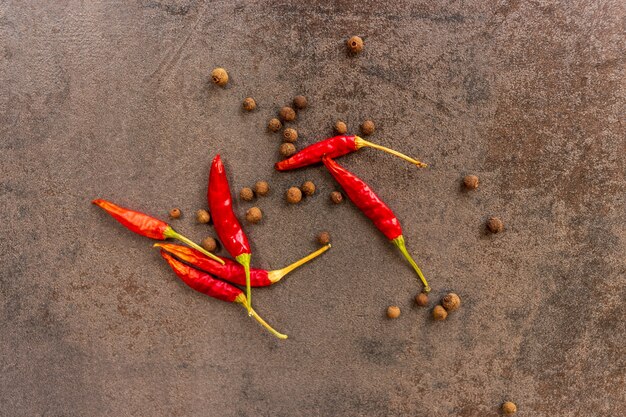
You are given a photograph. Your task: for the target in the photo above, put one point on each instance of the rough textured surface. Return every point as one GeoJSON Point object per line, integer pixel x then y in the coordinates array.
{"type": "Point", "coordinates": [112, 99]}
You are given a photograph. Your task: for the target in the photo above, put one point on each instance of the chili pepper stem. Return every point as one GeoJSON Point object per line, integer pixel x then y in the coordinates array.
{"type": "Point", "coordinates": [263, 323]}
{"type": "Point", "coordinates": [399, 242]}
{"type": "Point", "coordinates": [171, 233]}
{"type": "Point", "coordinates": [244, 259]}
{"type": "Point", "coordinates": [277, 275]}
{"type": "Point", "coordinates": [360, 143]}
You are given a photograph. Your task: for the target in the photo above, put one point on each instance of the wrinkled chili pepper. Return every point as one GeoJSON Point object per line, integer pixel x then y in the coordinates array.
{"type": "Point", "coordinates": [233, 272]}
{"type": "Point", "coordinates": [374, 208]}
{"type": "Point", "coordinates": [213, 287]}
{"type": "Point", "coordinates": [333, 148]}
{"type": "Point", "coordinates": [225, 222]}
{"type": "Point", "coordinates": [148, 226]}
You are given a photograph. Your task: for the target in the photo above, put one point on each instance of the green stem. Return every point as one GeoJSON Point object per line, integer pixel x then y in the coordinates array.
{"type": "Point", "coordinates": [171, 233]}
{"type": "Point", "coordinates": [399, 242]}
{"type": "Point", "coordinates": [244, 259]}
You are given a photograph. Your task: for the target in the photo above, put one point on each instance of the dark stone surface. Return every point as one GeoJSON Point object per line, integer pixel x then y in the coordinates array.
{"type": "Point", "coordinates": [111, 99]}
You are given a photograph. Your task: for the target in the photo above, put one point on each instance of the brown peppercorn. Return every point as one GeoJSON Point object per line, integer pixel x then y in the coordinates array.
{"type": "Point", "coordinates": [287, 149]}
{"type": "Point", "coordinates": [209, 244]}
{"type": "Point", "coordinates": [274, 125]}
{"type": "Point", "coordinates": [495, 225]}
{"type": "Point", "coordinates": [203, 216]}
{"type": "Point", "coordinates": [439, 313]}
{"type": "Point", "coordinates": [287, 114]}
{"type": "Point", "coordinates": [355, 44]}
{"type": "Point", "coordinates": [219, 76]}
{"type": "Point", "coordinates": [509, 408]}
{"type": "Point", "coordinates": [300, 102]}
{"type": "Point", "coordinates": [308, 188]}
{"type": "Point", "coordinates": [294, 195]}
{"type": "Point", "coordinates": [451, 302]}
{"type": "Point", "coordinates": [367, 128]}
{"type": "Point", "coordinates": [290, 135]}
{"type": "Point", "coordinates": [323, 238]}
{"type": "Point", "coordinates": [336, 197]}
{"type": "Point", "coordinates": [341, 127]}
{"type": "Point", "coordinates": [421, 299]}
{"type": "Point", "coordinates": [249, 104]}
{"type": "Point", "coordinates": [246, 194]}
{"type": "Point", "coordinates": [470, 182]}
{"type": "Point", "coordinates": [393, 312]}
{"type": "Point", "coordinates": [175, 213]}
{"type": "Point", "coordinates": [261, 188]}
{"type": "Point", "coordinates": [254, 215]}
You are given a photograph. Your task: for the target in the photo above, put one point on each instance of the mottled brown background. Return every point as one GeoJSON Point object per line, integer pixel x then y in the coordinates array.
{"type": "Point", "coordinates": [110, 99]}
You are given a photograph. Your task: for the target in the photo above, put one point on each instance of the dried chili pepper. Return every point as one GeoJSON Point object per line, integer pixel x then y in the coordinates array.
{"type": "Point", "coordinates": [213, 287]}
{"type": "Point", "coordinates": [225, 222]}
{"type": "Point", "coordinates": [333, 148]}
{"type": "Point", "coordinates": [374, 208]}
{"type": "Point", "coordinates": [148, 226]}
{"type": "Point", "coordinates": [233, 272]}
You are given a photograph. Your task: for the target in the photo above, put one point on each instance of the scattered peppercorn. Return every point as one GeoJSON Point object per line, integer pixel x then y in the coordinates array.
{"type": "Point", "coordinates": [274, 125]}
{"type": "Point", "coordinates": [421, 299]}
{"type": "Point", "coordinates": [308, 188]}
{"type": "Point", "coordinates": [294, 195]}
{"type": "Point", "coordinates": [341, 127]}
{"type": "Point", "coordinates": [323, 238]}
{"type": "Point", "coordinates": [261, 188]}
{"type": "Point", "coordinates": [287, 114]}
{"type": "Point", "coordinates": [219, 76]}
{"type": "Point", "coordinates": [393, 312]}
{"type": "Point", "coordinates": [439, 313]}
{"type": "Point", "coordinates": [254, 215]}
{"type": "Point", "coordinates": [367, 128]}
{"type": "Point", "coordinates": [470, 182]}
{"type": "Point", "coordinates": [509, 408]}
{"type": "Point", "coordinates": [203, 216]}
{"type": "Point", "coordinates": [355, 44]}
{"type": "Point", "coordinates": [209, 244]}
{"type": "Point", "coordinates": [495, 225]}
{"type": "Point", "coordinates": [290, 135]}
{"type": "Point", "coordinates": [451, 302]}
{"type": "Point", "coordinates": [287, 149]}
{"type": "Point", "coordinates": [175, 213]}
{"type": "Point", "coordinates": [249, 104]}
{"type": "Point", "coordinates": [336, 197]}
{"type": "Point", "coordinates": [246, 194]}
{"type": "Point", "coordinates": [300, 102]}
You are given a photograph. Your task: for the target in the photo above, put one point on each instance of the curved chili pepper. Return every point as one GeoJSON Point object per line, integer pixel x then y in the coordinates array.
{"type": "Point", "coordinates": [333, 148]}
{"type": "Point", "coordinates": [225, 222]}
{"type": "Point", "coordinates": [148, 226]}
{"type": "Point", "coordinates": [374, 208]}
{"type": "Point", "coordinates": [206, 284]}
{"type": "Point", "coordinates": [233, 272]}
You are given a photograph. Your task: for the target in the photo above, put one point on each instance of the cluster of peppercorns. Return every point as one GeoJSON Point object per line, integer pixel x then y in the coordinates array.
{"type": "Point", "coordinates": [294, 194]}
{"type": "Point", "coordinates": [261, 188]}
{"type": "Point", "coordinates": [449, 303]}
{"type": "Point", "coordinates": [290, 134]}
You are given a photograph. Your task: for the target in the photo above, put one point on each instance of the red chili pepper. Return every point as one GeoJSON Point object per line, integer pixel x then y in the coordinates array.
{"type": "Point", "coordinates": [335, 147]}
{"type": "Point", "coordinates": [233, 272]}
{"type": "Point", "coordinates": [373, 207]}
{"type": "Point", "coordinates": [225, 222]}
{"type": "Point", "coordinates": [145, 225]}
{"type": "Point", "coordinates": [213, 287]}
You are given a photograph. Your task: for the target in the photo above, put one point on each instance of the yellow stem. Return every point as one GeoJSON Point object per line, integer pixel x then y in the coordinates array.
{"type": "Point", "coordinates": [244, 259]}
{"type": "Point", "coordinates": [171, 233]}
{"type": "Point", "coordinates": [399, 242]}
{"type": "Point", "coordinates": [277, 275]}
{"type": "Point", "coordinates": [360, 142]}
{"type": "Point", "coordinates": [262, 322]}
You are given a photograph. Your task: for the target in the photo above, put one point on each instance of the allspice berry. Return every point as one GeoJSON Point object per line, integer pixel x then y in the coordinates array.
{"type": "Point", "coordinates": [261, 188]}
{"type": "Point", "coordinates": [336, 197]}
{"type": "Point", "coordinates": [287, 149]}
{"type": "Point", "coordinates": [355, 44]}
{"type": "Point", "coordinates": [421, 299]}
{"type": "Point", "coordinates": [308, 188]}
{"type": "Point", "coordinates": [246, 194]}
{"type": "Point", "coordinates": [175, 213]}
{"type": "Point", "coordinates": [470, 182]}
{"type": "Point", "coordinates": [367, 128]}
{"type": "Point", "coordinates": [290, 135]}
{"type": "Point", "coordinates": [393, 312]}
{"type": "Point", "coordinates": [287, 114]}
{"type": "Point", "coordinates": [495, 225]}
{"type": "Point", "coordinates": [341, 128]}
{"type": "Point", "coordinates": [249, 104]}
{"type": "Point", "coordinates": [294, 195]}
{"type": "Point", "coordinates": [300, 102]}
{"type": "Point", "coordinates": [203, 216]}
{"type": "Point", "coordinates": [509, 408]}
{"type": "Point", "coordinates": [323, 238]}
{"type": "Point", "coordinates": [274, 125]}
{"type": "Point", "coordinates": [439, 313]}
{"type": "Point", "coordinates": [209, 244]}
{"type": "Point", "coordinates": [451, 302]}
{"type": "Point", "coordinates": [254, 215]}
{"type": "Point", "coordinates": [219, 76]}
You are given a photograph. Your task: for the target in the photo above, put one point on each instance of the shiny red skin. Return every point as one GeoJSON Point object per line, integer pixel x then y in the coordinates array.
{"type": "Point", "coordinates": [365, 199]}
{"type": "Point", "coordinates": [135, 221]}
{"type": "Point", "coordinates": [331, 147]}
{"type": "Point", "coordinates": [225, 222]}
{"type": "Point", "coordinates": [231, 271]}
{"type": "Point", "coordinates": [202, 282]}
